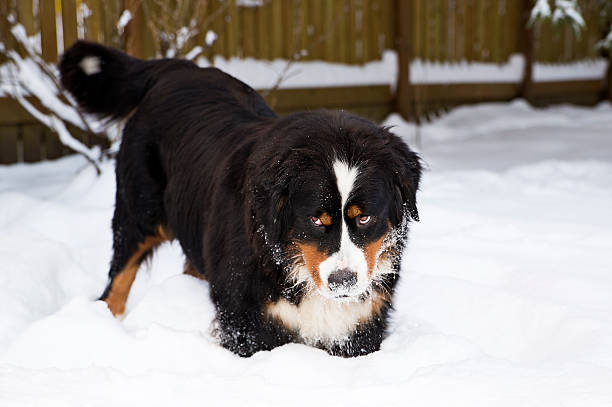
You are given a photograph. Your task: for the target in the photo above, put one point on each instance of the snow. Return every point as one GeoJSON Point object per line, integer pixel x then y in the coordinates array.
{"type": "Point", "coordinates": [504, 298]}
{"type": "Point", "coordinates": [606, 43]}
{"type": "Point", "coordinates": [306, 74]}
{"type": "Point", "coordinates": [428, 72]}
{"type": "Point", "coordinates": [593, 69]}
{"type": "Point", "coordinates": [261, 74]}
{"type": "Point", "coordinates": [540, 10]}
{"type": "Point", "coordinates": [249, 3]}
{"type": "Point", "coordinates": [210, 38]}
{"type": "Point", "coordinates": [123, 21]}
{"type": "Point", "coordinates": [568, 10]}
{"type": "Point", "coordinates": [564, 10]}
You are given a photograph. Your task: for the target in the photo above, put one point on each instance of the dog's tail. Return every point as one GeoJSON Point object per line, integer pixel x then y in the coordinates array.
{"type": "Point", "coordinates": [106, 81]}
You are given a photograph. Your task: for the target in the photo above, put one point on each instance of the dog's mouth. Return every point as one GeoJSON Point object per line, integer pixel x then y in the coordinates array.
{"type": "Point", "coordinates": [346, 294]}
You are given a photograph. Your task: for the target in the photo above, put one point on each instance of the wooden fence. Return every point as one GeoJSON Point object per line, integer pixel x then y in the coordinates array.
{"type": "Point", "coordinates": [347, 31]}
{"type": "Point", "coordinates": [491, 30]}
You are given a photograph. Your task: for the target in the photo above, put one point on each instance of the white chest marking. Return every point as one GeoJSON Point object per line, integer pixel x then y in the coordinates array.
{"type": "Point", "coordinates": [321, 319]}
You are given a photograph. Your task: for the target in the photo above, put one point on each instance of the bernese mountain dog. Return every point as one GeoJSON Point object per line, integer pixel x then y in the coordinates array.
{"type": "Point", "coordinates": [298, 222]}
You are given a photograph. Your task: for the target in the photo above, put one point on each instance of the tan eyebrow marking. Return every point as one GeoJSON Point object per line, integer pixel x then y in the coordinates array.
{"type": "Point", "coordinates": [354, 211]}
{"type": "Point", "coordinates": [325, 219]}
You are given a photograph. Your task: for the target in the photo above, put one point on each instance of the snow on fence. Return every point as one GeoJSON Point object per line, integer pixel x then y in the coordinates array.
{"type": "Point", "coordinates": [451, 33]}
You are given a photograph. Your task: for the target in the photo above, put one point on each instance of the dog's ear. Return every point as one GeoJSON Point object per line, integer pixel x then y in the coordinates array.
{"type": "Point", "coordinates": [270, 185]}
{"type": "Point", "coordinates": [406, 167]}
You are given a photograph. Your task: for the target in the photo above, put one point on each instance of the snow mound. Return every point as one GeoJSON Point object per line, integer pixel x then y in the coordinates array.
{"type": "Point", "coordinates": [504, 298]}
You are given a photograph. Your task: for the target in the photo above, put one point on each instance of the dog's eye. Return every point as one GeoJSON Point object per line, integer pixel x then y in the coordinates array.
{"type": "Point", "coordinates": [316, 221]}
{"type": "Point", "coordinates": [364, 220]}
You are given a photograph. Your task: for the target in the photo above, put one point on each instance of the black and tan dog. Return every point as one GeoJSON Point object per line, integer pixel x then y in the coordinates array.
{"type": "Point", "coordinates": [298, 223]}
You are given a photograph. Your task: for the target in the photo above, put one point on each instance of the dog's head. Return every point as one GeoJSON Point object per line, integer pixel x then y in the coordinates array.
{"type": "Point", "coordinates": [331, 194]}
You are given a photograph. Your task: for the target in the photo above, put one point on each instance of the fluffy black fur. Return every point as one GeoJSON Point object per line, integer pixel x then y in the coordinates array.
{"type": "Point", "coordinates": [205, 158]}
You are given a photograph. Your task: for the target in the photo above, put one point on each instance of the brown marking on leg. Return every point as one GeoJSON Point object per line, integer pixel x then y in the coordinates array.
{"type": "Point", "coordinates": [371, 252]}
{"type": "Point", "coordinates": [312, 258]}
{"type": "Point", "coordinates": [353, 211]}
{"type": "Point", "coordinates": [122, 282]}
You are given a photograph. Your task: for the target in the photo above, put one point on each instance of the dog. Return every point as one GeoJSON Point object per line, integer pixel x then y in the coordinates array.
{"type": "Point", "coordinates": [298, 223]}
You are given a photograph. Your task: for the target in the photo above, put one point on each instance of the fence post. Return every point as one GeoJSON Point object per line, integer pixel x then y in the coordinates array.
{"type": "Point", "coordinates": [133, 32]}
{"type": "Point", "coordinates": [25, 9]}
{"type": "Point", "coordinates": [404, 51]}
{"type": "Point", "coordinates": [526, 46]}
{"type": "Point", "coordinates": [69, 22]}
{"type": "Point", "coordinates": [48, 33]}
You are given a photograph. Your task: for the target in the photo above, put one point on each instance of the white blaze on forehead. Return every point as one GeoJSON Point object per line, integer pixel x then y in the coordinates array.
{"type": "Point", "coordinates": [349, 256]}
{"type": "Point", "coordinates": [345, 177]}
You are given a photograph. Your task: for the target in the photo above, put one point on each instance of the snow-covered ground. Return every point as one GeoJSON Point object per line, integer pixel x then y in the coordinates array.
{"type": "Point", "coordinates": [306, 74]}
{"type": "Point", "coordinates": [505, 297]}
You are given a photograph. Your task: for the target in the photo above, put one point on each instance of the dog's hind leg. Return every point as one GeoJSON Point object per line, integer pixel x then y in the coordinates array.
{"type": "Point", "coordinates": [139, 221]}
{"type": "Point", "coordinates": [129, 253]}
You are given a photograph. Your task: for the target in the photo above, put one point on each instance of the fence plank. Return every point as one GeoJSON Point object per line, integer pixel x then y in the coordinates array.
{"type": "Point", "coordinates": [54, 148]}
{"type": "Point", "coordinates": [316, 28]}
{"type": "Point", "coordinates": [405, 92]}
{"type": "Point", "coordinates": [291, 99]}
{"type": "Point", "coordinates": [248, 31]}
{"type": "Point", "coordinates": [69, 22]}
{"type": "Point", "coordinates": [331, 27]}
{"type": "Point", "coordinates": [303, 36]}
{"type": "Point", "coordinates": [507, 39]}
{"type": "Point", "coordinates": [93, 22]}
{"type": "Point", "coordinates": [262, 15]}
{"type": "Point", "coordinates": [441, 28]}
{"type": "Point", "coordinates": [276, 27]}
{"type": "Point", "coordinates": [232, 25]}
{"type": "Point", "coordinates": [499, 10]}
{"type": "Point", "coordinates": [133, 34]}
{"type": "Point", "coordinates": [48, 35]}
{"type": "Point", "coordinates": [486, 32]}
{"type": "Point", "coordinates": [591, 33]}
{"type": "Point", "coordinates": [352, 32]}
{"type": "Point", "coordinates": [417, 30]}
{"type": "Point", "coordinates": [342, 12]}
{"type": "Point", "coordinates": [9, 144]}
{"type": "Point", "coordinates": [468, 43]}
{"type": "Point", "coordinates": [5, 33]}
{"type": "Point", "coordinates": [388, 23]}
{"type": "Point", "coordinates": [376, 45]}
{"type": "Point", "coordinates": [459, 30]}
{"type": "Point", "coordinates": [25, 13]}
{"type": "Point", "coordinates": [289, 46]}
{"type": "Point", "coordinates": [31, 144]}
{"type": "Point", "coordinates": [481, 30]}
{"type": "Point", "coordinates": [451, 21]}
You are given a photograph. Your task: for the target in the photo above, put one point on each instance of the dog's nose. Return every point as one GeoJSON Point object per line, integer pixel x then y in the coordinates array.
{"type": "Point", "coordinates": [343, 278]}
